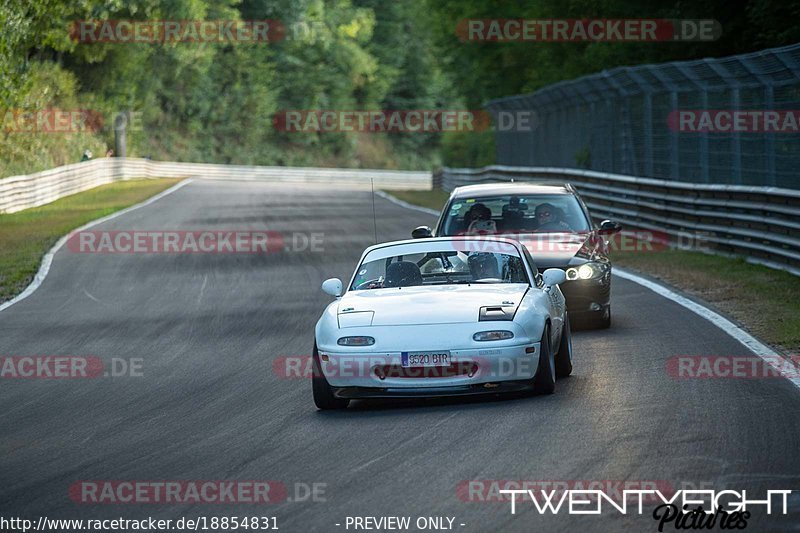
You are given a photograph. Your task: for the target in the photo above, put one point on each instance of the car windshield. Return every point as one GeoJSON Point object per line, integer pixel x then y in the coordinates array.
{"type": "Point", "coordinates": [537, 213]}
{"type": "Point", "coordinates": [439, 267]}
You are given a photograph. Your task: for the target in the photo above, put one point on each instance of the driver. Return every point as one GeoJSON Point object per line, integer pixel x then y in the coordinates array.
{"type": "Point", "coordinates": [481, 222]}
{"type": "Point", "coordinates": [483, 266]}
{"type": "Point", "coordinates": [548, 218]}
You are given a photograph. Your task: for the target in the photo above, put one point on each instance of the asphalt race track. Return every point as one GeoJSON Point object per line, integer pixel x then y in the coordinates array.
{"type": "Point", "coordinates": [209, 405]}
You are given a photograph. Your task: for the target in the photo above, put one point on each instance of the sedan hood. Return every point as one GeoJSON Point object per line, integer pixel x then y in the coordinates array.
{"type": "Point", "coordinates": [438, 304]}
{"type": "Point", "coordinates": [556, 249]}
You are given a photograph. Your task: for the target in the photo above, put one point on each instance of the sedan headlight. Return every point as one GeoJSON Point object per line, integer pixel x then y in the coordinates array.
{"type": "Point", "coordinates": [585, 271]}
{"type": "Point", "coordinates": [356, 341]}
{"type": "Point", "coordinates": [497, 335]}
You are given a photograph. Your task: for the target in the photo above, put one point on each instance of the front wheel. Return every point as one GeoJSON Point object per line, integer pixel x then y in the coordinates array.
{"type": "Point", "coordinates": [544, 382]}
{"type": "Point", "coordinates": [564, 356]}
{"type": "Point", "coordinates": [603, 321]}
{"type": "Point", "coordinates": [323, 392]}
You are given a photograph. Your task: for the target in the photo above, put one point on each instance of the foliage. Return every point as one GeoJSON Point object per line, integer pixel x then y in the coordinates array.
{"type": "Point", "coordinates": [216, 101]}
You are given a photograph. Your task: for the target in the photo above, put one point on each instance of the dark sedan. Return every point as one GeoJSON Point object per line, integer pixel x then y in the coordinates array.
{"type": "Point", "coordinates": [556, 228]}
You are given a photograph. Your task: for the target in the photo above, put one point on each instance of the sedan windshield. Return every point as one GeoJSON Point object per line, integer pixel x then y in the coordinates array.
{"type": "Point", "coordinates": [439, 268]}
{"type": "Point", "coordinates": [540, 213]}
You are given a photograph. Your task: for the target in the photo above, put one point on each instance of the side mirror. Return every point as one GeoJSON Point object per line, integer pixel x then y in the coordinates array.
{"type": "Point", "coordinates": [332, 286]}
{"type": "Point", "coordinates": [422, 232]}
{"type": "Point", "coordinates": [553, 276]}
{"type": "Point", "coordinates": [609, 227]}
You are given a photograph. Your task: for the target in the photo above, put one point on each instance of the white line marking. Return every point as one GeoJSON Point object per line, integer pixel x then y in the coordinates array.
{"type": "Point", "coordinates": [770, 356]}
{"type": "Point", "coordinates": [48, 257]}
{"type": "Point", "coordinates": [763, 351]}
{"type": "Point", "coordinates": [407, 205]}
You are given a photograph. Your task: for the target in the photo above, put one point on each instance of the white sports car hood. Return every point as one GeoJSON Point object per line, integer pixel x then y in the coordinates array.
{"type": "Point", "coordinates": [439, 304]}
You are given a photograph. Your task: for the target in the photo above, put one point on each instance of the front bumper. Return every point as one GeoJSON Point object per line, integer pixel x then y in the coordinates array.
{"type": "Point", "coordinates": [373, 374]}
{"type": "Point", "coordinates": [587, 296]}
{"type": "Point", "coordinates": [432, 392]}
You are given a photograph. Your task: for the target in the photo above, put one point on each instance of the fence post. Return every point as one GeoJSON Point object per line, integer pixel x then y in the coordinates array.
{"type": "Point", "coordinates": [769, 138]}
{"type": "Point", "coordinates": [736, 140]}
{"type": "Point", "coordinates": [674, 167]}
{"type": "Point", "coordinates": [704, 174]}
{"type": "Point", "coordinates": [648, 133]}
{"type": "Point", "coordinates": [120, 140]}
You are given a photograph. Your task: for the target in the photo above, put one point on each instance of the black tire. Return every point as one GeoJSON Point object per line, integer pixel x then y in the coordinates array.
{"type": "Point", "coordinates": [595, 321]}
{"type": "Point", "coordinates": [323, 393]}
{"type": "Point", "coordinates": [544, 382]}
{"type": "Point", "coordinates": [604, 321]}
{"type": "Point", "coordinates": [564, 355]}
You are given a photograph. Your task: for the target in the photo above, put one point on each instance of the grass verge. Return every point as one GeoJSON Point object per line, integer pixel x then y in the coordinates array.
{"type": "Point", "coordinates": [765, 301]}
{"type": "Point", "coordinates": [431, 199]}
{"type": "Point", "coordinates": [27, 235]}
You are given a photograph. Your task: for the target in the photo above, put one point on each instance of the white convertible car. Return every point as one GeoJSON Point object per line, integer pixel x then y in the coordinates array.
{"type": "Point", "coordinates": [441, 317]}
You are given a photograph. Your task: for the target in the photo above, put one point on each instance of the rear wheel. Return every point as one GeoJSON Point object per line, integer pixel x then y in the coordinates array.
{"type": "Point", "coordinates": [564, 356]}
{"type": "Point", "coordinates": [323, 392]}
{"type": "Point", "coordinates": [544, 382]}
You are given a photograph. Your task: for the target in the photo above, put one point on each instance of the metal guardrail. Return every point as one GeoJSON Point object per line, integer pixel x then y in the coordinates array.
{"type": "Point", "coordinates": [760, 223]}
{"type": "Point", "coordinates": [23, 192]}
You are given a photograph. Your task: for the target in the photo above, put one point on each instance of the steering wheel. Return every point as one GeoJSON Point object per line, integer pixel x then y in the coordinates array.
{"type": "Point", "coordinates": [376, 283]}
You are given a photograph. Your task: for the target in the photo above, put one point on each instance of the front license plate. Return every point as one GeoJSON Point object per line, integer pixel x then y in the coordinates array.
{"type": "Point", "coordinates": [425, 359]}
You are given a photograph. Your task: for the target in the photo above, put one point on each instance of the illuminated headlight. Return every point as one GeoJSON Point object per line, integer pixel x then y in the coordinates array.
{"type": "Point", "coordinates": [585, 271]}
{"type": "Point", "coordinates": [356, 341]}
{"type": "Point", "coordinates": [498, 335]}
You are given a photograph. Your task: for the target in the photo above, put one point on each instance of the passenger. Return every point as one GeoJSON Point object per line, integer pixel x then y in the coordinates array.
{"type": "Point", "coordinates": [548, 218]}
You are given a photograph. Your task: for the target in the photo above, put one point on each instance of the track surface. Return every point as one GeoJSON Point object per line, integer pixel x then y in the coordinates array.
{"type": "Point", "coordinates": [209, 406]}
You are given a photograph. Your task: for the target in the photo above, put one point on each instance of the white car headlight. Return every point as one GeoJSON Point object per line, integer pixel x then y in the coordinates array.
{"type": "Point", "coordinates": [356, 341]}
{"type": "Point", "coordinates": [585, 271]}
{"type": "Point", "coordinates": [497, 335]}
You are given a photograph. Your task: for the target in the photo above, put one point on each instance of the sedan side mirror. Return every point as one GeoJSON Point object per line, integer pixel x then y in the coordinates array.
{"type": "Point", "coordinates": [553, 276]}
{"type": "Point", "coordinates": [422, 232]}
{"type": "Point", "coordinates": [609, 227]}
{"type": "Point", "coordinates": [332, 286]}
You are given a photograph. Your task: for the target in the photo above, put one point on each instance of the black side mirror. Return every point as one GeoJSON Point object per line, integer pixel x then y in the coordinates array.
{"type": "Point", "coordinates": [422, 232]}
{"type": "Point", "coordinates": [609, 227]}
